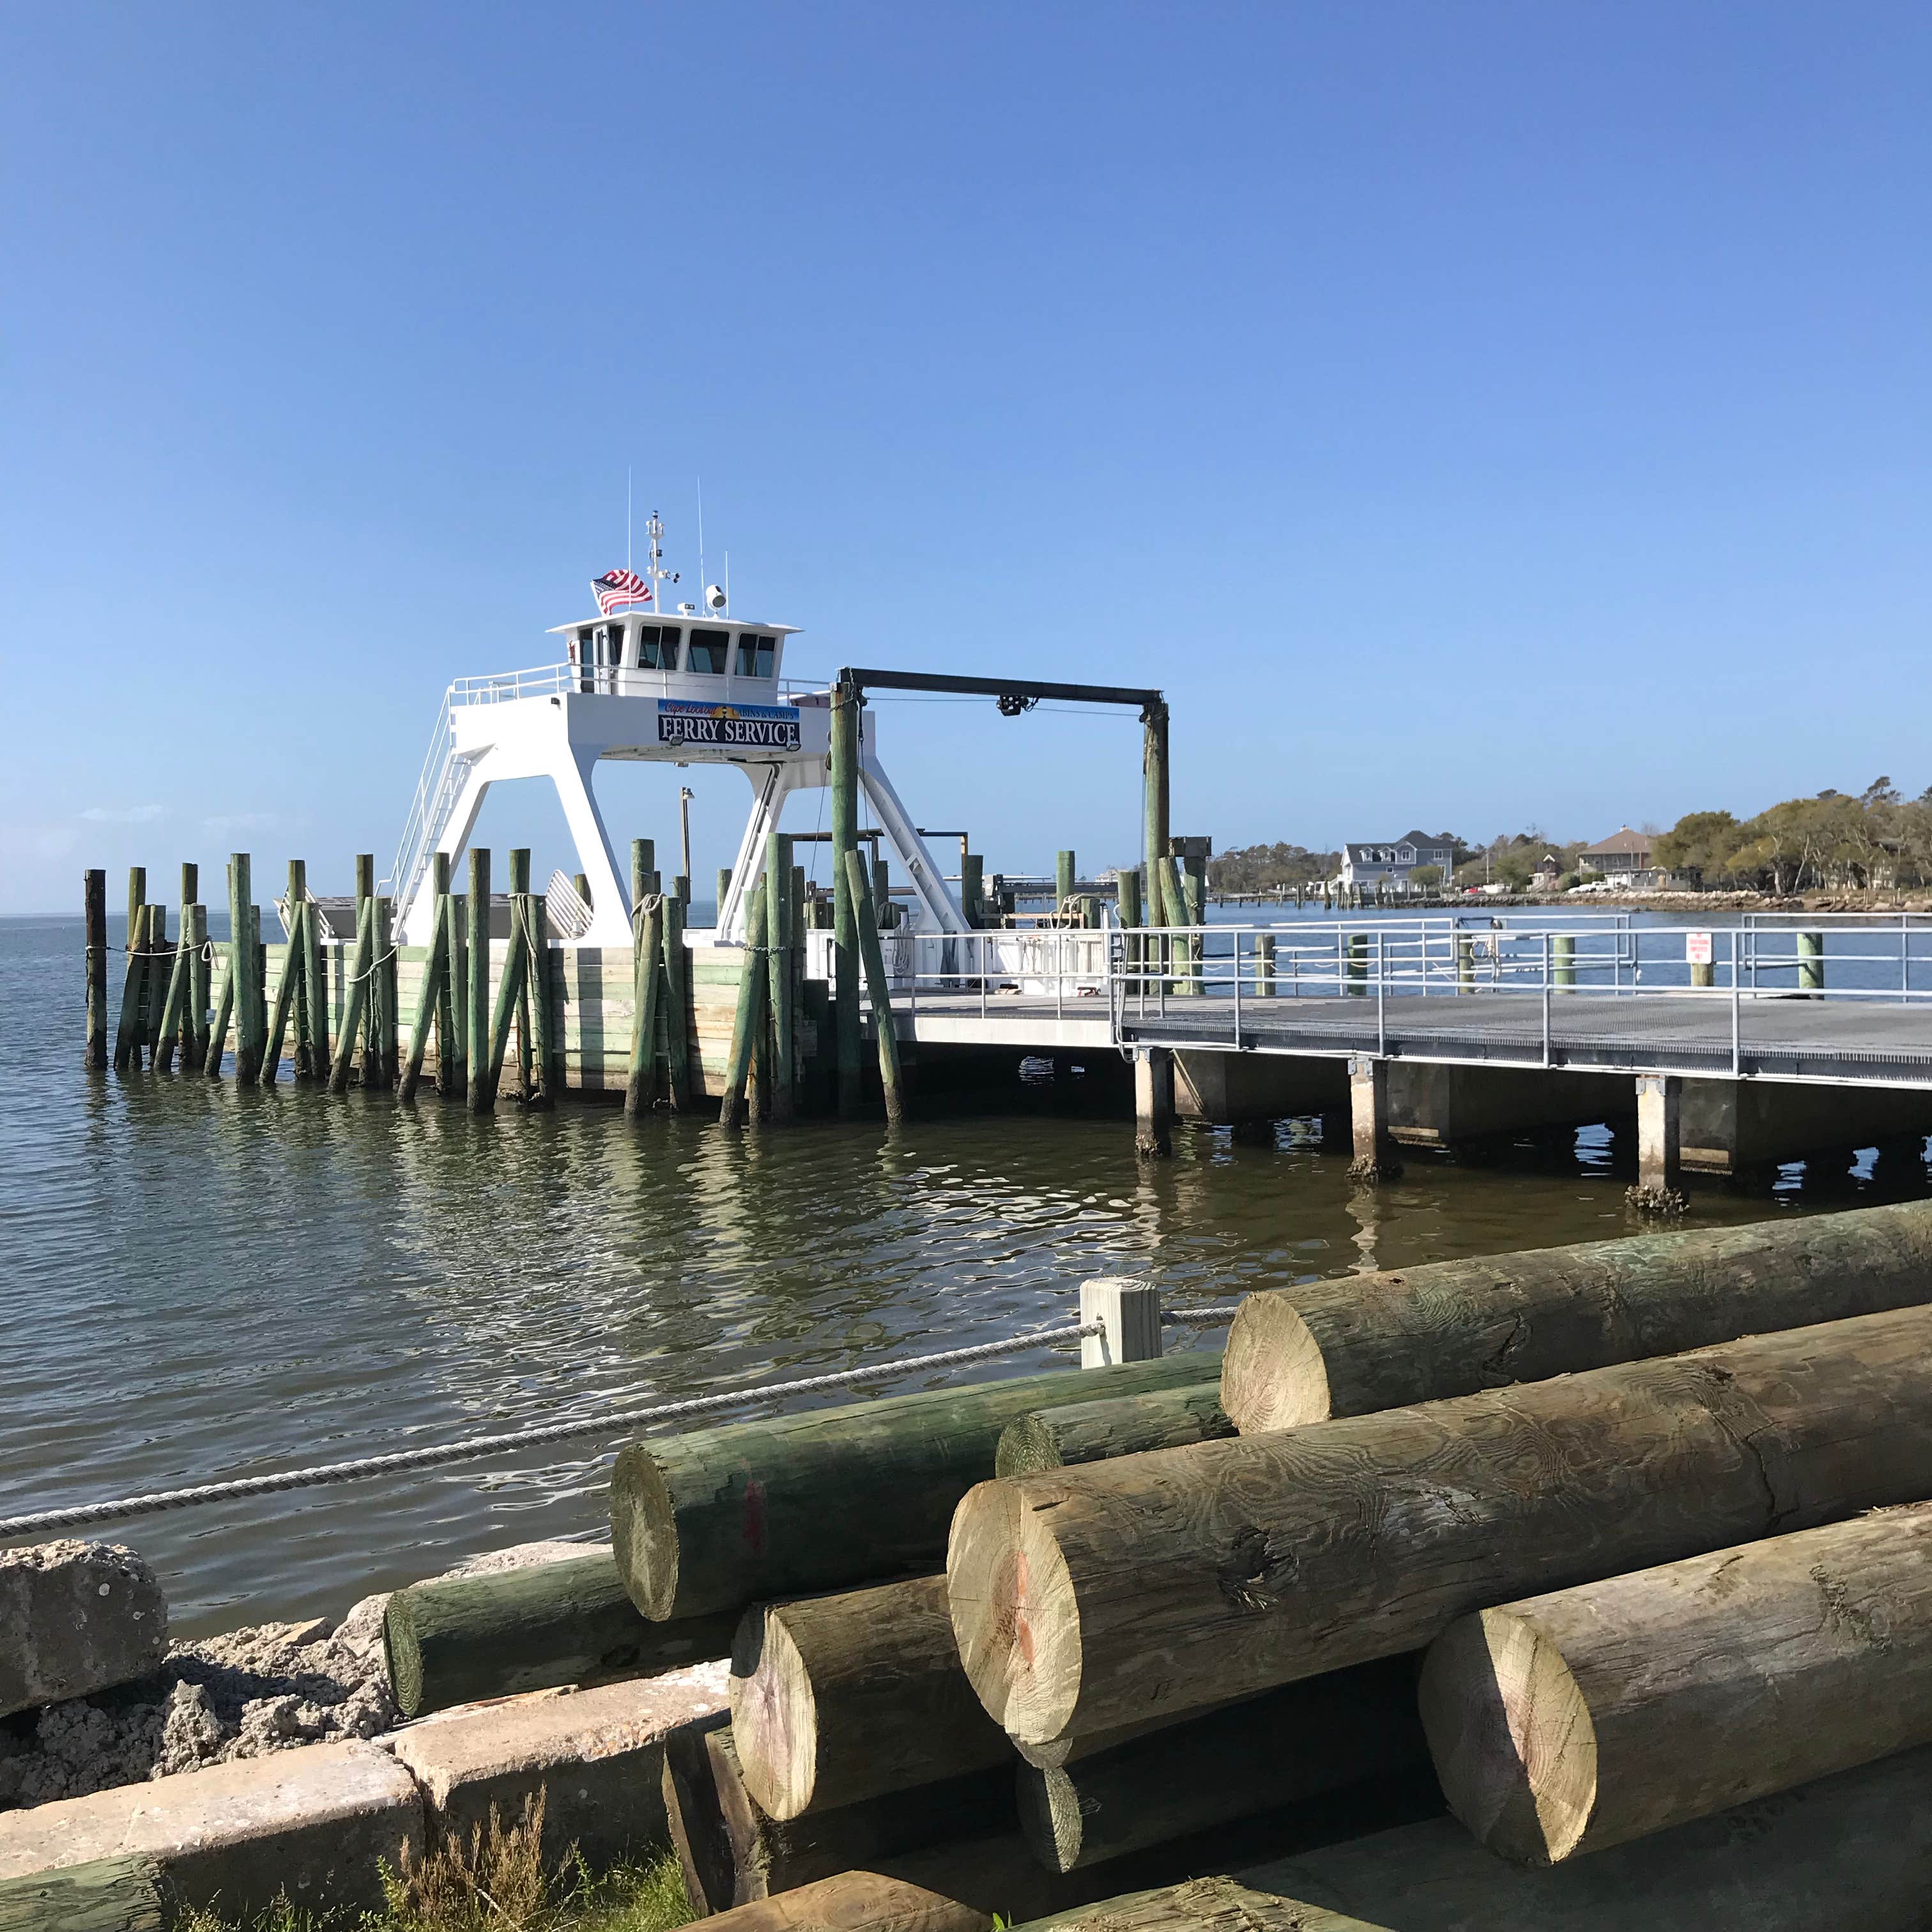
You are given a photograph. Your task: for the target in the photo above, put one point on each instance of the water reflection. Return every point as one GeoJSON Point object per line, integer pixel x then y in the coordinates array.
{"type": "Point", "coordinates": [200, 1281]}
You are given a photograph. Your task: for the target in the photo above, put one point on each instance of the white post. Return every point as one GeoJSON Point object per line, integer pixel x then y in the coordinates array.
{"type": "Point", "coordinates": [1129, 1312]}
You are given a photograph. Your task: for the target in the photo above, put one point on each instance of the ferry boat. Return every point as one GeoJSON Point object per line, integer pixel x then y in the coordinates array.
{"type": "Point", "coordinates": [691, 686]}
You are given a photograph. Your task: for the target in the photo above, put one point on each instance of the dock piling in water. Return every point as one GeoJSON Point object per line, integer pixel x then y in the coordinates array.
{"type": "Point", "coordinates": [847, 728]}
{"type": "Point", "coordinates": [647, 942]}
{"type": "Point", "coordinates": [93, 898]}
{"type": "Point", "coordinates": [878, 988]}
{"type": "Point", "coordinates": [781, 961]}
{"type": "Point", "coordinates": [746, 1022]}
{"type": "Point", "coordinates": [482, 1087]}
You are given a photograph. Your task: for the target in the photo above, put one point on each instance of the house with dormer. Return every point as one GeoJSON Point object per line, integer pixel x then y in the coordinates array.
{"type": "Point", "coordinates": [1390, 864]}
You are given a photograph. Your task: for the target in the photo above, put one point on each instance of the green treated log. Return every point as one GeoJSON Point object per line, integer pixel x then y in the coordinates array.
{"type": "Point", "coordinates": [489, 1076]}
{"type": "Point", "coordinates": [434, 990]}
{"type": "Point", "coordinates": [452, 1006]}
{"type": "Point", "coordinates": [94, 900]}
{"type": "Point", "coordinates": [677, 1000]}
{"type": "Point", "coordinates": [1185, 950]}
{"type": "Point", "coordinates": [877, 989]}
{"type": "Point", "coordinates": [846, 728]}
{"type": "Point", "coordinates": [1195, 1905]}
{"type": "Point", "coordinates": [470, 1637]}
{"type": "Point", "coordinates": [1264, 969]}
{"type": "Point", "coordinates": [1301, 1742]}
{"type": "Point", "coordinates": [647, 912]}
{"type": "Point", "coordinates": [104, 1895]}
{"type": "Point", "coordinates": [779, 962]}
{"type": "Point", "coordinates": [749, 1017]}
{"type": "Point", "coordinates": [1811, 962]}
{"type": "Point", "coordinates": [1258, 1561]}
{"type": "Point", "coordinates": [312, 984]}
{"type": "Point", "coordinates": [356, 996]}
{"type": "Point", "coordinates": [127, 1035]}
{"type": "Point", "coordinates": [714, 1519]}
{"type": "Point", "coordinates": [1126, 1425]}
{"type": "Point", "coordinates": [476, 1019]}
{"type": "Point", "coordinates": [1448, 1328]}
{"type": "Point", "coordinates": [1065, 872]}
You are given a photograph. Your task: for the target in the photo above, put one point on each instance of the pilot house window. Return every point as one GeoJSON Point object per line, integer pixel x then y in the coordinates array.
{"type": "Point", "coordinates": [707, 651]}
{"type": "Point", "coordinates": [657, 646]}
{"type": "Point", "coordinates": [755, 654]}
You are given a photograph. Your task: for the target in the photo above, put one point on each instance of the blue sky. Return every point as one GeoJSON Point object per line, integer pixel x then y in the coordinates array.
{"type": "Point", "coordinates": [1471, 415]}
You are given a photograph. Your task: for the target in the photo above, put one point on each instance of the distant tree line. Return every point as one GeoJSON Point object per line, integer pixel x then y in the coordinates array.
{"type": "Point", "coordinates": [1834, 842]}
{"type": "Point", "coordinates": [1260, 868]}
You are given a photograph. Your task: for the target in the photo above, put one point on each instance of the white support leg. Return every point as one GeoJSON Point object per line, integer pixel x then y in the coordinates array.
{"type": "Point", "coordinates": [941, 908]}
{"type": "Point", "coordinates": [609, 896]}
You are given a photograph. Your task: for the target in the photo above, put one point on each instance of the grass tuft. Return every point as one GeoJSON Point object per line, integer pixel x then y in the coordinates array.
{"type": "Point", "coordinates": [495, 1882]}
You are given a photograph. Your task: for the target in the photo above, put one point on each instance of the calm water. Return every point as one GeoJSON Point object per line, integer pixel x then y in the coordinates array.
{"type": "Point", "coordinates": [200, 1282]}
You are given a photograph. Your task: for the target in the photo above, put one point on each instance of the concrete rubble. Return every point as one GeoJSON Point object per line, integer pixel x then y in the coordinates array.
{"type": "Point", "coordinates": [75, 1618]}
{"type": "Point", "coordinates": [218, 1700]}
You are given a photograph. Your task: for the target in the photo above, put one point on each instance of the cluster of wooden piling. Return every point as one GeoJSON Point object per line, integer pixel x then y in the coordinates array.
{"type": "Point", "coordinates": [1484, 1539]}
{"type": "Point", "coordinates": [674, 1026]}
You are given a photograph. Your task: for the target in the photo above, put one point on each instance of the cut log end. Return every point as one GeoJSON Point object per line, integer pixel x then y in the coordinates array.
{"type": "Point", "coordinates": [1273, 1375]}
{"type": "Point", "coordinates": [1027, 1446]}
{"type": "Point", "coordinates": [643, 1532]}
{"type": "Point", "coordinates": [774, 1715]}
{"type": "Point", "coordinates": [403, 1652]}
{"type": "Point", "coordinates": [1049, 1808]}
{"type": "Point", "coordinates": [1014, 1614]}
{"type": "Point", "coordinates": [1514, 1747]}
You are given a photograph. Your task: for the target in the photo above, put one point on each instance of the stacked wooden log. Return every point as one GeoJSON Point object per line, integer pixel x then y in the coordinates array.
{"type": "Point", "coordinates": [1586, 1547]}
{"type": "Point", "coordinates": [1579, 1544]}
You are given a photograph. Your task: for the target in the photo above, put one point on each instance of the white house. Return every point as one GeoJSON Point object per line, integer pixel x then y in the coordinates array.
{"type": "Point", "coordinates": [1391, 865]}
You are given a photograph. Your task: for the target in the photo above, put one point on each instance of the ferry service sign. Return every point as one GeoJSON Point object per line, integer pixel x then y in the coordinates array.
{"type": "Point", "coordinates": [766, 728]}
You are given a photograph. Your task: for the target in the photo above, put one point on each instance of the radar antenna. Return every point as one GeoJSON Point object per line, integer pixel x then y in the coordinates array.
{"type": "Point", "coordinates": [657, 573]}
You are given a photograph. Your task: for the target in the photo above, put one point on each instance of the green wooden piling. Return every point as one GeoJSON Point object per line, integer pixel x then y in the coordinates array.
{"type": "Point", "coordinates": [486, 1074]}
{"type": "Point", "coordinates": [1563, 953]}
{"type": "Point", "coordinates": [94, 903]}
{"type": "Point", "coordinates": [545, 1055]}
{"type": "Point", "coordinates": [972, 888]}
{"type": "Point", "coordinates": [1182, 956]}
{"type": "Point", "coordinates": [779, 960]}
{"type": "Point", "coordinates": [1064, 874]}
{"type": "Point", "coordinates": [846, 731]}
{"type": "Point", "coordinates": [476, 1017]}
{"type": "Point", "coordinates": [434, 990]}
{"type": "Point", "coordinates": [183, 1039]}
{"type": "Point", "coordinates": [581, 880]}
{"type": "Point", "coordinates": [680, 889]}
{"type": "Point", "coordinates": [126, 1037]}
{"type": "Point", "coordinates": [647, 918]}
{"type": "Point", "coordinates": [677, 1002]}
{"type": "Point", "coordinates": [519, 888]}
{"type": "Point", "coordinates": [882, 893]}
{"type": "Point", "coordinates": [1358, 964]}
{"type": "Point", "coordinates": [878, 990]}
{"type": "Point", "coordinates": [1466, 963]}
{"type": "Point", "coordinates": [1264, 972]}
{"type": "Point", "coordinates": [1128, 903]}
{"type": "Point", "coordinates": [452, 1024]}
{"type": "Point", "coordinates": [174, 1005]}
{"type": "Point", "coordinates": [241, 969]}
{"type": "Point", "coordinates": [355, 997]}
{"type": "Point", "coordinates": [288, 989]}
{"type": "Point", "coordinates": [194, 1051]}
{"type": "Point", "coordinates": [750, 1015]}
{"type": "Point", "coordinates": [1810, 962]}
{"type": "Point", "coordinates": [137, 897]}
{"type": "Point", "coordinates": [224, 1012]}
{"type": "Point", "coordinates": [312, 996]}
{"type": "Point", "coordinates": [1154, 805]}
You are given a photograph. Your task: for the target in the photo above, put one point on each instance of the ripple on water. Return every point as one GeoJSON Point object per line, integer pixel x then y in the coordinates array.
{"type": "Point", "coordinates": [201, 1282]}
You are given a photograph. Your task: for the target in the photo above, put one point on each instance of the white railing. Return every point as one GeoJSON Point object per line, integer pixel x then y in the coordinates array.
{"type": "Point", "coordinates": [1221, 980]}
{"type": "Point", "coordinates": [505, 687]}
{"type": "Point", "coordinates": [985, 971]}
{"type": "Point", "coordinates": [434, 794]}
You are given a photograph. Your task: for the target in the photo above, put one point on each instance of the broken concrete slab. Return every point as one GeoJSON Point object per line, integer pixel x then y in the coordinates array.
{"type": "Point", "coordinates": [318, 1824]}
{"type": "Point", "coordinates": [76, 1617]}
{"type": "Point", "coordinates": [596, 1755]}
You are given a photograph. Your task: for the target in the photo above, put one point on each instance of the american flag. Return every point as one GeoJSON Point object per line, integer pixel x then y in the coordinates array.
{"type": "Point", "coordinates": [620, 586]}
